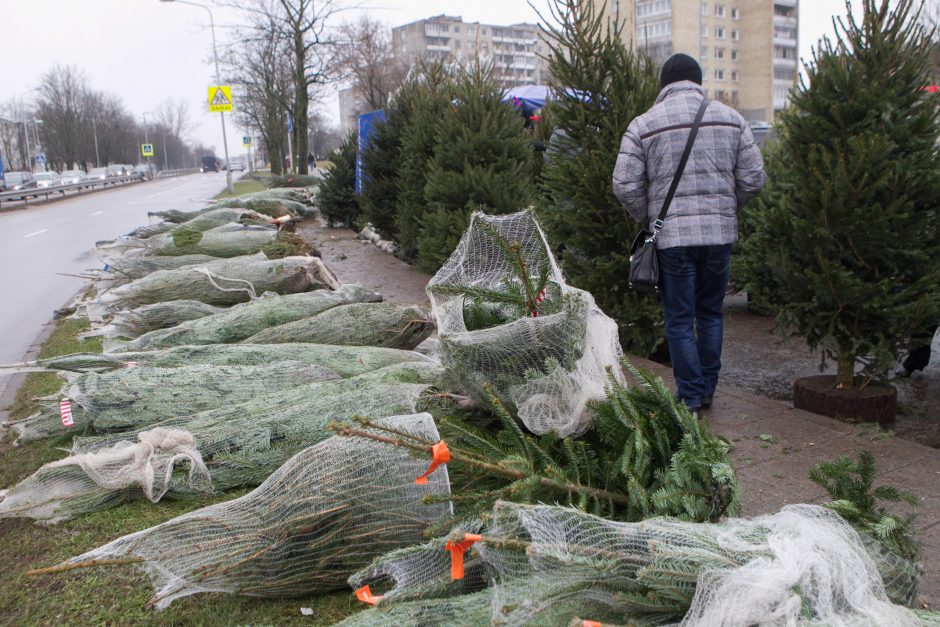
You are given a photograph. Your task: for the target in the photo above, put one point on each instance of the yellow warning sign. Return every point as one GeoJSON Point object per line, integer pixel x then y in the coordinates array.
{"type": "Point", "coordinates": [220, 98]}
{"type": "Point", "coordinates": [146, 150]}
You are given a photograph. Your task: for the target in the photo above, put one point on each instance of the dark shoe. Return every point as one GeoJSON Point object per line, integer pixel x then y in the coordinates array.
{"type": "Point", "coordinates": [706, 402]}
{"type": "Point", "coordinates": [903, 372]}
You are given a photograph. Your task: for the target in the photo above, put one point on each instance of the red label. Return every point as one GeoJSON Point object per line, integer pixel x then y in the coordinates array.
{"type": "Point", "coordinates": [65, 411]}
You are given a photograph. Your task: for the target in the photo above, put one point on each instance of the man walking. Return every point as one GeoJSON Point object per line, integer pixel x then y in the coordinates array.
{"type": "Point", "coordinates": [724, 171]}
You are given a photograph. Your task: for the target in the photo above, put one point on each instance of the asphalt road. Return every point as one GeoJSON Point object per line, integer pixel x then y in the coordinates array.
{"type": "Point", "coordinates": [37, 243]}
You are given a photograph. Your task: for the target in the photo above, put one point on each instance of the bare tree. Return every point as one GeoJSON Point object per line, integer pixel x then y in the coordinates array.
{"type": "Point", "coordinates": [12, 141]}
{"type": "Point", "coordinates": [324, 137]}
{"type": "Point", "coordinates": [301, 25]}
{"type": "Point", "coordinates": [62, 92]}
{"type": "Point", "coordinates": [174, 117]}
{"type": "Point", "coordinates": [364, 55]}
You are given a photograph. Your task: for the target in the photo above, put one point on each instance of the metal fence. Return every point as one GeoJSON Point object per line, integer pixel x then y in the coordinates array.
{"type": "Point", "coordinates": [43, 193]}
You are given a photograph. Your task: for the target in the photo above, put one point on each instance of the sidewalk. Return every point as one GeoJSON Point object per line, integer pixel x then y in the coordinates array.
{"type": "Point", "coordinates": [775, 446]}
{"type": "Point", "coordinates": [774, 471]}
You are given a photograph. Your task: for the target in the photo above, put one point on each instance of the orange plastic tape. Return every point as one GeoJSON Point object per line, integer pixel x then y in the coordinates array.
{"type": "Point", "coordinates": [365, 595]}
{"type": "Point", "coordinates": [590, 623]}
{"type": "Point", "coordinates": [441, 455]}
{"type": "Point", "coordinates": [457, 549]}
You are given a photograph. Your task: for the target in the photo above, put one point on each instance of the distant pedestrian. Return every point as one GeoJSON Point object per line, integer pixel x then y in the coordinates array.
{"type": "Point", "coordinates": [724, 171]}
{"type": "Point", "coordinates": [311, 162]}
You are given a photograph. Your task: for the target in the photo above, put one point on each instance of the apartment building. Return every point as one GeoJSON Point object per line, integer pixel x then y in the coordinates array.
{"type": "Point", "coordinates": [747, 48]}
{"type": "Point", "coordinates": [514, 49]}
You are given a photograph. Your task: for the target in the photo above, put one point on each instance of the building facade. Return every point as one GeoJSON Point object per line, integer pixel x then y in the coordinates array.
{"type": "Point", "coordinates": [747, 48]}
{"type": "Point", "coordinates": [514, 50]}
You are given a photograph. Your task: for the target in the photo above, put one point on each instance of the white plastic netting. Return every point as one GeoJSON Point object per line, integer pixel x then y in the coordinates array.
{"type": "Point", "coordinates": [347, 361]}
{"type": "Point", "coordinates": [138, 396]}
{"type": "Point", "coordinates": [325, 513]}
{"type": "Point", "coordinates": [507, 318]}
{"type": "Point", "coordinates": [86, 482]}
{"type": "Point", "coordinates": [547, 565]}
{"type": "Point", "coordinates": [241, 444]}
{"type": "Point", "coordinates": [244, 320]}
{"type": "Point", "coordinates": [132, 323]}
{"type": "Point", "coordinates": [388, 325]}
{"type": "Point", "coordinates": [224, 282]}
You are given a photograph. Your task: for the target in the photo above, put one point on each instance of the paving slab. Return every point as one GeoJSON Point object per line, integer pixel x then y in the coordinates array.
{"type": "Point", "coordinates": [775, 447]}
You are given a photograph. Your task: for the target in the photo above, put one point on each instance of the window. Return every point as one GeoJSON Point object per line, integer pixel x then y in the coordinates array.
{"type": "Point", "coordinates": [719, 32]}
{"type": "Point", "coordinates": [734, 75]}
{"type": "Point", "coordinates": [652, 30]}
{"type": "Point", "coordinates": [719, 75]}
{"type": "Point", "coordinates": [735, 14]}
{"type": "Point", "coordinates": [783, 74]}
{"type": "Point", "coordinates": [704, 9]}
{"type": "Point", "coordinates": [734, 97]}
{"type": "Point", "coordinates": [646, 8]}
{"type": "Point", "coordinates": [720, 95]}
{"type": "Point", "coordinates": [704, 31]}
{"type": "Point", "coordinates": [719, 53]}
{"type": "Point", "coordinates": [734, 55]}
{"type": "Point", "coordinates": [703, 52]}
{"type": "Point", "coordinates": [456, 29]}
{"type": "Point", "coordinates": [735, 35]}
{"type": "Point", "coordinates": [785, 52]}
{"type": "Point", "coordinates": [719, 10]}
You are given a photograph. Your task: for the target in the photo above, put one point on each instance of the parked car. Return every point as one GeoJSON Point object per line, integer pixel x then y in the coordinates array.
{"type": "Point", "coordinates": [237, 166]}
{"type": "Point", "coordinates": [142, 171]}
{"type": "Point", "coordinates": [47, 179]}
{"type": "Point", "coordinates": [15, 181]}
{"type": "Point", "coordinates": [71, 177]}
{"type": "Point", "coordinates": [97, 174]}
{"type": "Point", "coordinates": [118, 169]}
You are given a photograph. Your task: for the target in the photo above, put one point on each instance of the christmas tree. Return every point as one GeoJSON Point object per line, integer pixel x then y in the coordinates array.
{"type": "Point", "coordinates": [434, 86]}
{"type": "Point", "coordinates": [847, 247]}
{"type": "Point", "coordinates": [337, 196]}
{"type": "Point", "coordinates": [482, 161]}
{"type": "Point", "coordinates": [381, 160]}
{"type": "Point", "coordinates": [599, 87]}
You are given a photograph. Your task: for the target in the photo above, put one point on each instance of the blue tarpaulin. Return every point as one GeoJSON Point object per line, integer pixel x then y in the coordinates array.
{"type": "Point", "coordinates": [367, 122]}
{"type": "Point", "coordinates": [529, 98]}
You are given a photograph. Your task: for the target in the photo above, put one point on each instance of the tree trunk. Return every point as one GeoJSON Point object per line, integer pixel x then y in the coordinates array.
{"type": "Point", "coordinates": [301, 104]}
{"type": "Point", "coordinates": [845, 375]}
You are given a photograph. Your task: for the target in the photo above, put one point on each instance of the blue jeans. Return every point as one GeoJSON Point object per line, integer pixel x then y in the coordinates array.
{"type": "Point", "coordinates": [693, 280]}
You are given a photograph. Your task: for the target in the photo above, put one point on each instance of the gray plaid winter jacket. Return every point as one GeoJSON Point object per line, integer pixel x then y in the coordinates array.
{"type": "Point", "coordinates": [724, 171]}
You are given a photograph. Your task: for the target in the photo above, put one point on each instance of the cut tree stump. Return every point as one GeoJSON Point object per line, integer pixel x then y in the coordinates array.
{"type": "Point", "coordinates": [873, 403]}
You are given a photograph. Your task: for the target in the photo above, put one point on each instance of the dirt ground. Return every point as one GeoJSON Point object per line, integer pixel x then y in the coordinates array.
{"type": "Point", "coordinates": [754, 358]}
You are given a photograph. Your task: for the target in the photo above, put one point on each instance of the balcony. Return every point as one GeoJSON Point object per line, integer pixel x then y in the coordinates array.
{"type": "Point", "coordinates": [434, 48]}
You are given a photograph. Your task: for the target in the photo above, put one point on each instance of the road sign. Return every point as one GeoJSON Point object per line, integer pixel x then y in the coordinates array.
{"type": "Point", "coordinates": [246, 140]}
{"type": "Point", "coordinates": [146, 150]}
{"type": "Point", "coordinates": [220, 98]}
{"type": "Point", "coordinates": [40, 158]}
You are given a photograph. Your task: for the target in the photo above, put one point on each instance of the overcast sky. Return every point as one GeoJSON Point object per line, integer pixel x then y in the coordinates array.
{"type": "Point", "coordinates": [145, 51]}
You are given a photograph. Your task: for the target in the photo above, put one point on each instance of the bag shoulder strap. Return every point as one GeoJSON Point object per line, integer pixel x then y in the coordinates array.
{"type": "Point", "coordinates": [658, 224]}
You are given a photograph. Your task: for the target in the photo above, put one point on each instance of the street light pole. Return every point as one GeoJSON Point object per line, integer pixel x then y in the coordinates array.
{"type": "Point", "coordinates": [165, 166]}
{"type": "Point", "coordinates": [29, 156]}
{"type": "Point", "coordinates": [36, 124]}
{"type": "Point", "coordinates": [218, 81]}
{"type": "Point", "coordinates": [94, 130]}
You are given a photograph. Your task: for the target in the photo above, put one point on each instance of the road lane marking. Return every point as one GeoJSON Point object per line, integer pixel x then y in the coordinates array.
{"type": "Point", "coordinates": [97, 213]}
{"type": "Point", "coordinates": [35, 233]}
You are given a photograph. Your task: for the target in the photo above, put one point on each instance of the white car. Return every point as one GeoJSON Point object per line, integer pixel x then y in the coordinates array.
{"type": "Point", "coordinates": [47, 179]}
{"type": "Point", "coordinates": [71, 177]}
{"type": "Point", "coordinates": [237, 166]}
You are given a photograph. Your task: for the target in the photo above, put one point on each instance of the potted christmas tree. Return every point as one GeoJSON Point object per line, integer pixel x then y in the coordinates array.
{"type": "Point", "coordinates": [847, 248]}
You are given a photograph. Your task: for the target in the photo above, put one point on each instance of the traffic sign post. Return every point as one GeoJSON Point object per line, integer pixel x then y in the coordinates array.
{"type": "Point", "coordinates": [220, 98]}
{"type": "Point", "coordinates": [146, 150]}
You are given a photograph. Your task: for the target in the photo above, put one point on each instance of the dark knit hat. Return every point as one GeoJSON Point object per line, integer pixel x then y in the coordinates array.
{"type": "Point", "coordinates": [680, 67]}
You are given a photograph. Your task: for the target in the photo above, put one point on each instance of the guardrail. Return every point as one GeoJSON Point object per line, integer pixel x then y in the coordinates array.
{"type": "Point", "coordinates": [89, 185]}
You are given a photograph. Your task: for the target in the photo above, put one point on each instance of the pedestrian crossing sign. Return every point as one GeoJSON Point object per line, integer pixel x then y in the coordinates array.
{"type": "Point", "coordinates": [146, 150]}
{"type": "Point", "coordinates": [246, 140]}
{"type": "Point", "coordinates": [220, 98]}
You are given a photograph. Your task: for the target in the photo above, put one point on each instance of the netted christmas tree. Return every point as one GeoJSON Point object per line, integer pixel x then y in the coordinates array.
{"type": "Point", "coordinates": [853, 237]}
{"type": "Point", "coordinates": [481, 161]}
{"type": "Point", "coordinates": [337, 197]}
{"type": "Point", "coordinates": [599, 86]}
